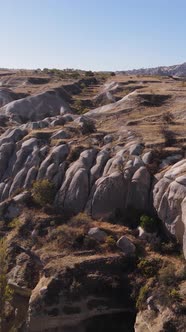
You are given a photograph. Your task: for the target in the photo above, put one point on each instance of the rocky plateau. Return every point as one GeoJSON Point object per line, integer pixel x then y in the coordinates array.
{"type": "Point", "coordinates": [113, 148]}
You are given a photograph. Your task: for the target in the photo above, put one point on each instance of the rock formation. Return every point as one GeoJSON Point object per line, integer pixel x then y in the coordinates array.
{"type": "Point", "coordinates": [99, 164]}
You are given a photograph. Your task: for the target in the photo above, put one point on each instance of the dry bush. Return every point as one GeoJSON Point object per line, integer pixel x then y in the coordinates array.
{"type": "Point", "coordinates": [43, 192]}
{"type": "Point", "coordinates": [73, 234]}
{"type": "Point", "coordinates": [167, 275]}
{"type": "Point", "coordinates": [75, 153]}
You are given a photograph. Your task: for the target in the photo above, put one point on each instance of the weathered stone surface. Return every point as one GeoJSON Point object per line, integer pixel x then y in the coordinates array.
{"type": "Point", "coordinates": [12, 135]}
{"type": "Point", "coordinates": [86, 124]}
{"type": "Point", "coordinates": [126, 246]}
{"type": "Point", "coordinates": [139, 191]}
{"type": "Point", "coordinates": [170, 160]}
{"type": "Point", "coordinates": [6, 96]}
{"type": "Point", "coordinates": [57, 155]}
{"type": "Point", "coordinates": [18, 276]}
{"type": "Point", "coordinates": [21, 198]}
{"type": "Point", "coordinates": [168, 198]}
{"type": "Point", "coordinates": [107, 139]}
{"type": "Point", "coordinates": [97, 234]}
{"type": "Point", "coordinates": [136, 149]}
{"type": "Point", "coordinates": [149, 237]}
{"type": "Point", "coordinates": [77, 194]}
{"type": "Point", "coordinates": [147, 157]}
{"type": "Point", "coordinates": [68, 117]}
{"type": "Point", "coordinates": [97, 169]}
{"type": "Point", "coordinates": [58, 122]}
{"type": "Point", "coordinates": [60, 135]}
{"type": "Point", "coordinates": [107, 196]}
{"type": "Point", "coordinates": [30, 177]}
{"type": "Point", "coordinates": [35, 108]}
{"type": "Point", "coordinates": [75, 189]}
{"type": "Point", "coordinates": [6, 151]}
{"type": "Point", "coordinates": [67, 300]}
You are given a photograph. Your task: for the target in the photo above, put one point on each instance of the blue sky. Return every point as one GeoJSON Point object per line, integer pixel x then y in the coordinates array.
{"type": "Point", "coordinates": [92, 34]}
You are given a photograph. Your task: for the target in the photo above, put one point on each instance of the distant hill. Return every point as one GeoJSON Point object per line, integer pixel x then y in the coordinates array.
{"type": "Point", "coordinates": [175, 70]}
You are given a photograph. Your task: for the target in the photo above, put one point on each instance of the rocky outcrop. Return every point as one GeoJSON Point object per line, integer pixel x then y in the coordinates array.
{"type": "Point", "coordinates": [74, 265]}
{"type": "Point", "coordinates": [101, 181]}
{"type": "Point", "coordinates": [74, 192]}
{"type": "Point", "coordinates": [169, 200]}
{"type": "Point", "coordinates": [75, 296]}
{"type": "Point", "coordinates": [126, 246]}
{"type": "Point", "coordinates": [165, 320]}
{"type": "Point", "coordinates": [6, 96]}
{"type": "Point", "coordinates": [104, 182]}
{"type": "Point", "coordinates": [35, 108]}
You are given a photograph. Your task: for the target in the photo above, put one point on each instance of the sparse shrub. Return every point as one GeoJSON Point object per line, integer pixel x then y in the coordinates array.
{"type": "Point", "coordinates": [15, 223]}
{"type": "Point", "coordinates": [149, 268]}
{"type": "Point", "coordinates": [170, 248]}
{"type": "Point", "coordinates": [75, 286]}
{"type": "Point", "coordinates": [167, 275]}
{"type": "Point", "coordinates": [81, 220]}
{"type": "Point", "coordinates": [43, 192]}
{"type": "Point", "coordinates": [72, 234]}
{"type": "Point", "coordinates": [90, 243]}
{"type": "Point", "coordinates": [79, 106]}
{"type": "Point", "coordinates": [89, 73]}
{"type": "Point", "coordinates": [168, 118]}
{"type": "Point", "coordinates": [174, 294]}
{"type": "Point", "coordinates": [110, 242]}
{"type": "Point", "coordinates": [83, 85]}
{"type": "Point", "coordinates": [67, 236]}
{"type": "Point", "coordinates": [142, 296]}
{"type": "Point", "coordinates": [149, 224]}
{"type": "Point", "coordinates": [75, 75]}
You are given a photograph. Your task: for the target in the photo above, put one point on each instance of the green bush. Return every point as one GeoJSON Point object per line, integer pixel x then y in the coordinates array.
{"type": "Point", "coordinates": [149, 268]}
{"type": "Point", "coordinates": [43, 192]}
{"type": "Point", "coordinates": [170, 248]}
{"type": "Point", "coordinates": [149, 224]}
{"type": "Point", "coordinates": [15, 223]}
{"type": "Point", "coordinates": [142, 296]}
{"type": "Point", "coordinates": [110, 242]}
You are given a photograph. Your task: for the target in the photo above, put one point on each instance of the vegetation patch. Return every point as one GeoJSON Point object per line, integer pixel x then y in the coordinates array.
{"type": "Point", "coordinates": [149, 267]}
{"type": "Point", "coordinates": [149, 224]}
{"type": "Point", "coordinates": [43, 192]}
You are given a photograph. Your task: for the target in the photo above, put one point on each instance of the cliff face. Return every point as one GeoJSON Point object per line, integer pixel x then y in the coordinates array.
{"type": "Point", "coordinates": [93, 287]}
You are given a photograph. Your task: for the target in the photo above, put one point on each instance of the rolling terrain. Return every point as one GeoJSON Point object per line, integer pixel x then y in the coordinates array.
{"type": "Point", "coordinates": [93, 200]}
